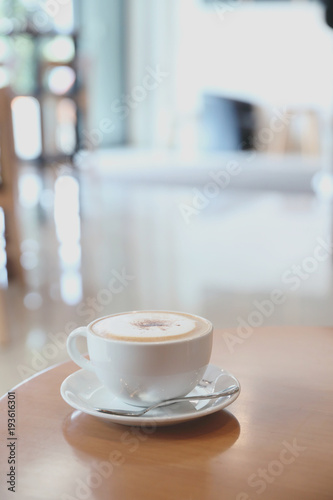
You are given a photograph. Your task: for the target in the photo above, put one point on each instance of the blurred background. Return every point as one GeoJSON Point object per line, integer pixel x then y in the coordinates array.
{"type": "Point", "coordinates": [162, 154]}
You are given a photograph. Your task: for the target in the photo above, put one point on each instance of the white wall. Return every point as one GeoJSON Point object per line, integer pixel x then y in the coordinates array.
{"type": "Point", "coordinates": [102, 44]}
{"type": "Point", "coordinates": [150, 42]}
{"type": "Point", "coordinates": [271, 53]}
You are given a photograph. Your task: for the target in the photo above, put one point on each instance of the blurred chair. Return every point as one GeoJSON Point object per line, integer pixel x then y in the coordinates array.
{"type": "Point", "coordinates": [8, 186]}
{"type": "Point", "coordinates": [8, 200]}
{"type": "Point", "coordinates": [4, 332]}
{"type": "Point", "coordinates": [300, 130]}
{"type": "Point", "coordinates": [226, 124]}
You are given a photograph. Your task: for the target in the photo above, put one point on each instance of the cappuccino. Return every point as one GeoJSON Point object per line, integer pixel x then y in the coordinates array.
{"type": "Point", "coordinates": [151, 326]}
{"type": "Point", "coordinates": [144, 357]}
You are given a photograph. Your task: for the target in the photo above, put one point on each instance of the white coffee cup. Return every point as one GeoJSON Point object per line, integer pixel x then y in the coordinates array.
{"type": "Point", "coordinates": [144, 357]}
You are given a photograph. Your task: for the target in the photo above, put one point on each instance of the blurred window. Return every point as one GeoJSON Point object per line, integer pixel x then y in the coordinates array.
{"type": "Point", "coordinates": [59, 49]}
{"type": "Point", "coordinates": [38, 40]}
{"type": "Point", "coordinates": [59, 80]}
{"type": "Point", "coordinates": [27, 127]}
{"type": "Point", "coordinates": [66, 122]}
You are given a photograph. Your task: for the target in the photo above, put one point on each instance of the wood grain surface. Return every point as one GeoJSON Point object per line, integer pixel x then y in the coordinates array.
{"type": "Point", "coordinates": [275, 442]}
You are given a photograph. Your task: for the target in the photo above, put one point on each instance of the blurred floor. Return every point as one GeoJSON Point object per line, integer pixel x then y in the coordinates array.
{"type": "Point", "coordinates": [93, 247]}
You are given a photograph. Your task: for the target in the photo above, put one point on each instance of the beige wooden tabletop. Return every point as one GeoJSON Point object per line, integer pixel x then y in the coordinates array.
{"type": "Point", "coordinates": [275, 442]}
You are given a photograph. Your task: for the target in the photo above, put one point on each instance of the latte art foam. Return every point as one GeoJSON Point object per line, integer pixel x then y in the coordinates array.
{"type": "Point", "coordinates": [150, 326]}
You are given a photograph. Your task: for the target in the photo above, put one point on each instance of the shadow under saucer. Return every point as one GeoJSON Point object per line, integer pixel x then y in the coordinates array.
{"type": "Point", "coordinates": [212, 434]}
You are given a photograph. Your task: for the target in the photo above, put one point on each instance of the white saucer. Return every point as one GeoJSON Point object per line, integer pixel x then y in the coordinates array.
{"type": "Point", "coordinates": [83, 391]}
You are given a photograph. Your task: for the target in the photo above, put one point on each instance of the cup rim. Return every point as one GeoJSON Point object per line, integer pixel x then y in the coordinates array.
{"type": "Point", "coordinates": [210, 328]}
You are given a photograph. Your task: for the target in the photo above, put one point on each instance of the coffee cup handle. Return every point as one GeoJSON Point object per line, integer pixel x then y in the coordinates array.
{"type": "Point", "coordinates": [73, 351]}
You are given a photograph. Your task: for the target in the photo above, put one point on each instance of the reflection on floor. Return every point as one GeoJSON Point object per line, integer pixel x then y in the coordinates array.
{"type": "Point", "coordinates": [92, 247]}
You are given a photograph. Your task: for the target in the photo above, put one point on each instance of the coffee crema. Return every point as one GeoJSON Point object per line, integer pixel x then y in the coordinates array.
{"type": "Point", "coordinates": [151, 326]}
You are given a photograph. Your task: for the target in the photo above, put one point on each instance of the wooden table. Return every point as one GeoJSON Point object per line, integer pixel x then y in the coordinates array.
{"type": "Point", "coordinates": [275, 442]}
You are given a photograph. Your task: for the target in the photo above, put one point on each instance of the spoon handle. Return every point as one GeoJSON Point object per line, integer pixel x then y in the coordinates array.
{"type": "Point", "coordinates": [226, 392]}
{"type": "Point", "coordinates": [229, 391]}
